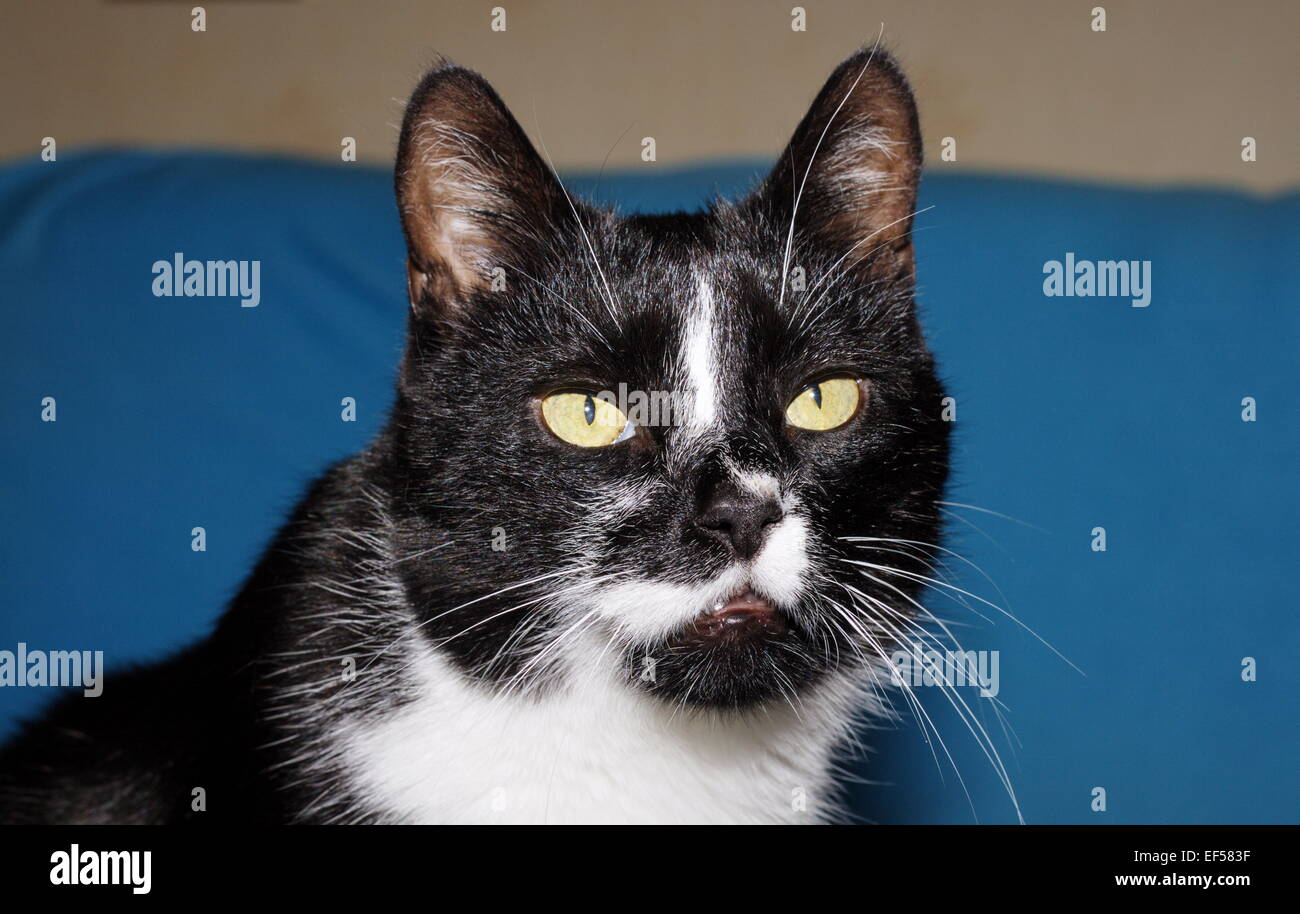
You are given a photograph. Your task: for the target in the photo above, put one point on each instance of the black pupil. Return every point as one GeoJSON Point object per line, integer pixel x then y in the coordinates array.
{"type": "Point", "coordinates": [589, 409]}
{"type": "Point", "coordinates": [817, 394]}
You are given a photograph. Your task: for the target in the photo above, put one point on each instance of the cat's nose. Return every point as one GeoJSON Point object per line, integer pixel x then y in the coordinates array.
{"type": "Point", "coordinates": [737, 518]}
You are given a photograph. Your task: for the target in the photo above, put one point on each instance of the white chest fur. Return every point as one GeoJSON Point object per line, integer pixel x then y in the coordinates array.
{"type": "Point", "coordinates": [598, 753]}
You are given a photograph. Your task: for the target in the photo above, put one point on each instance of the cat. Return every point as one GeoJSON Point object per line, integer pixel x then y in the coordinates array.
{"type": "Point", "coordinates": [523, 604]}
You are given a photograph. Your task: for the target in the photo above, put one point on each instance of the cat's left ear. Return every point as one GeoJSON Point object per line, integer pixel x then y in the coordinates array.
{"type": "Point", "coordinates": [474, 194]}
{"type": "Point", "coordinates": [848, 178]}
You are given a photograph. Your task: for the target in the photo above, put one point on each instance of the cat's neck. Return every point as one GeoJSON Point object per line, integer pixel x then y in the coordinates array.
{"type": "Point", "coordinates": [409, 737]}
{"type": "Point", "coordinates": [594, 751]}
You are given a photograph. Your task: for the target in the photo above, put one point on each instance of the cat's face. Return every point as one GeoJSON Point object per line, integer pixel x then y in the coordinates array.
{"type": "Point", "coordinates": [767, 393]}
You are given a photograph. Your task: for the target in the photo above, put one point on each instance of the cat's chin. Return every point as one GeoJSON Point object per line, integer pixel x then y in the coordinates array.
{"type": "Point", "coordinates": [740, 653]}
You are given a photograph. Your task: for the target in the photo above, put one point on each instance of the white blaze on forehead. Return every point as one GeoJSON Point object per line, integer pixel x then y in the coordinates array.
{"type": "Point", "coordinates": [699, 353]}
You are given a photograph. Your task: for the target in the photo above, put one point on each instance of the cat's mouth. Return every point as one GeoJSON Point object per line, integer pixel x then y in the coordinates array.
{"type": "Point", "coordinates": [735, 653]}
{"type": "Point", "coordinates": [744, 615]}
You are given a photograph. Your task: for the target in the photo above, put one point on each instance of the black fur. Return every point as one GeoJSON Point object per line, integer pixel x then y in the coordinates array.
{"type": "Point", "coordinates": [396, 545]}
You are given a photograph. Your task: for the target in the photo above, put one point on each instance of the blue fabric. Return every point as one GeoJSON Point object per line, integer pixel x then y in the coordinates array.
{"type": "Point", "coordinates": [1072, 413]}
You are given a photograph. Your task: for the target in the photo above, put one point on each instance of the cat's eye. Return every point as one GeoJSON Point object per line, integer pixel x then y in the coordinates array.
{"type": "Point", "coordinates": [584, 419]}
{"type": "Point", "coordinates": [825, 404]}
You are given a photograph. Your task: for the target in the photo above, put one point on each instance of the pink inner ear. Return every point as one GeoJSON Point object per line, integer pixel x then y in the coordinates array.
{"type": "Point", "coordinates": [474, 195]}
{"type": "Point", "coordinates": [459, 245]}
{"type": "Point", "coordinates": [854, 164]}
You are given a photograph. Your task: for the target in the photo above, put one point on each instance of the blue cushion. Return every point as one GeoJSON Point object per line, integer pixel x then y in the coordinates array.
{"type": "Point", "coordinates": [1072, 413]}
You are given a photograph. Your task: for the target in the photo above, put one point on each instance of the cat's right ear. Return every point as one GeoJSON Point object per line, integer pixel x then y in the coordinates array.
{"type": "Point", "coordinates": [474, 195]}
{"type": "Point", "coordinates": [848, 177]}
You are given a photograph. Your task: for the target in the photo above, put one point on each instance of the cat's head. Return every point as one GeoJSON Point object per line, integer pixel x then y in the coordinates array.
{"type": "Point", "coordinates": [641, 441]}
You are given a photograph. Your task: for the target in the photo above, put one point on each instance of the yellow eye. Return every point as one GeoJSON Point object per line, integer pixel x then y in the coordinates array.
{"type": "Point", "coordinates": [584, 419]}
{"type": "Point", "coordinates": [825, 405]}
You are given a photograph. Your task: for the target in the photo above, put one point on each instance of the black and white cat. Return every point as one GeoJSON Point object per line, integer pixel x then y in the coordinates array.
{"type": "Point", "coordinates": [524, 601]}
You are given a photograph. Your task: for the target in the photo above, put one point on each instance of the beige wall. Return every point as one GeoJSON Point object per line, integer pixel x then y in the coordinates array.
{"type": "Point", "coordinates": [1165, 94]}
